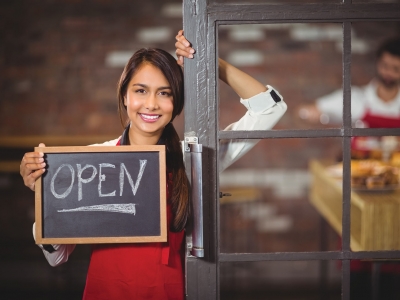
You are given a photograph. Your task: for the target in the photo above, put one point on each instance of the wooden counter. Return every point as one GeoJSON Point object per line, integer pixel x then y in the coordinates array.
{"type": "Point", "coordinates": [375, 216]}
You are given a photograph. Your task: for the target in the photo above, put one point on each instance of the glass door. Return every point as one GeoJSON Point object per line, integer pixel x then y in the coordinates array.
{"type": "Point", "coordinates": [309, 50]}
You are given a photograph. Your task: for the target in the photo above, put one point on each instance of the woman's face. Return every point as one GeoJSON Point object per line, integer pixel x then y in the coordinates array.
{"type": "Point", "coordinates": [149, 102]}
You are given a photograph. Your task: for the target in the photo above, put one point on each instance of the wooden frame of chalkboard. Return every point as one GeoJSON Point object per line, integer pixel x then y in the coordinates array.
{"type": "Point", "coordinates": [101, 194]}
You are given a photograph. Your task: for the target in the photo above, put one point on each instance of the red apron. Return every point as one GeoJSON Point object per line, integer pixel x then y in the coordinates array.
{"type": "Point", "coordinates": [138, 271]}
{"type": "Point", "coordinates": [376, 121]}
{"type": "Point", "coordinates": [361, 146]}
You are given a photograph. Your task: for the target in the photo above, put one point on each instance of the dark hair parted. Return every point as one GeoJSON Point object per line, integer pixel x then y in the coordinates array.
{"type": "Point", "coordinates": [391, 46]}
{"type": "Point", "coordinates": [167, 64]}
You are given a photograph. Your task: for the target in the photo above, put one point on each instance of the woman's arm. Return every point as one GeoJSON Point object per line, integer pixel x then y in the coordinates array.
{"type": "Point", "coordinates": [263, 112]}
{"type": "Point", "coordinates": [242, 83]}
{"type": "Point", "coordinates": [31, 168]}
{"type": "Point", "coordinates": [55, 254]}
{"type": "Point", "coordinates": [265, 106]}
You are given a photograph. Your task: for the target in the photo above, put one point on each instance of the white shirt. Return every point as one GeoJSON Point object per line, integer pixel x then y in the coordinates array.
{"type": "Point", "coordinates": [363, 99]}
{"type": "Point", "coordinates": [262, 114]}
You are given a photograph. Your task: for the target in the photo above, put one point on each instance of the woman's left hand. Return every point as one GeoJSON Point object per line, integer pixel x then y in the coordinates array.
{"type": "Point", "coordinates": [183, 48]}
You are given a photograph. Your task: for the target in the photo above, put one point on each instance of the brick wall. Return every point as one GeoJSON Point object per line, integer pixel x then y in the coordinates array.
{"type": "Point", "coordinates": [54, 77]}
{"type": "Point", "coordinates": [60, 62]}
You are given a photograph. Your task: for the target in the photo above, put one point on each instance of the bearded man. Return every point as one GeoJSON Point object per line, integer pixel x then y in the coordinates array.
{"type": "Point", "coordinates": [376, 105]}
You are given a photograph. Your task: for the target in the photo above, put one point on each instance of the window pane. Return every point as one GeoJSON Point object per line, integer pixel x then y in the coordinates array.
{"type": "Point", "coordinates": [283, 198]}
{"type": "Point", "coordinates": [375, 104]}
{"type": "Point", "coordinates": [278, 280]}
{"type": "Point", "coordinates": [302, 61]}
{"type": "Point", "coordinates": [375, 193]}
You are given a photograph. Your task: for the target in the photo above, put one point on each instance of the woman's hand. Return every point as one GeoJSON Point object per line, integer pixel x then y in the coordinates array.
{"type": "Point", "coordinates": [32, 167]}
{"type": "Point", "coordinates": [242, 83]}
{"type": "Point", "coordinates": [183, 48]}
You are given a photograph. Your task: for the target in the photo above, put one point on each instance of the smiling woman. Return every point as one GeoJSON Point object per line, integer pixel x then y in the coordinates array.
{"type": "Point", "coordinates": [150, 96]}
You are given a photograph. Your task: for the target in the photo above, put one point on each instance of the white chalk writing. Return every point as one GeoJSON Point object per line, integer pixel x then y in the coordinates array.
{"type": "Point", "coordinates": [134, 186]}
{"type": "Point", "coordinates": [102, 177]}
{"type": "Point", "coordinates": [128, 208]}
{"type": "Point", "coordinates": [66, 193]}
{"type": "Point", "coordinates": [81, 180]}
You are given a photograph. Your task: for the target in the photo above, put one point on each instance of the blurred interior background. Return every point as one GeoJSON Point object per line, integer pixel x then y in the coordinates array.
{"type": "Point", "coordinates": [60, 62]}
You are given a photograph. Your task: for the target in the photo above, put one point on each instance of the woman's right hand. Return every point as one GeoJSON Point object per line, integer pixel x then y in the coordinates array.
{"type": "Point", "coordinates": [183, 48]}
{"type": "Point", "coordinates": [32, 167]}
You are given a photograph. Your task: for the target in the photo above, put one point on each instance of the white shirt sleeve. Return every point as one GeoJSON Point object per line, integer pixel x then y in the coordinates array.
{"type": "Point", "coordinates": [59, 256]}
{"type": "Point", "coordinates": [262, 114]}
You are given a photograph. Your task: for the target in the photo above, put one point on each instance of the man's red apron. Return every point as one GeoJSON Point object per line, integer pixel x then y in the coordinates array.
{"type": "Point", "coordinates": [362, 146]}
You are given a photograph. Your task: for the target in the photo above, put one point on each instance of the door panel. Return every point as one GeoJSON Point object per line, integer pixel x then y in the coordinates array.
{"type": "Point", "coordinates": [202, 19]}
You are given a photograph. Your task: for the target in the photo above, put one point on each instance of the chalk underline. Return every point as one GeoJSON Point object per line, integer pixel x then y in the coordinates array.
{"type": "Point", "coordinates": [128, 208]}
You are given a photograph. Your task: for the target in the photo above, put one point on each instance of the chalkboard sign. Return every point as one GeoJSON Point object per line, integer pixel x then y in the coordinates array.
{"type": "Point", "coordinates": [102, 194]}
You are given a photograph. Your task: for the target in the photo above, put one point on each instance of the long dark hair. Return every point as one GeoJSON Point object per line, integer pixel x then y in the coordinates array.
{"type": "Point", "coordinates": [167, 64]}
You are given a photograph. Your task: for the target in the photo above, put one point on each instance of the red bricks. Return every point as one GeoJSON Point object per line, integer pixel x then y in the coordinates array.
{"type": "Point", "coordinates": [54, 81]}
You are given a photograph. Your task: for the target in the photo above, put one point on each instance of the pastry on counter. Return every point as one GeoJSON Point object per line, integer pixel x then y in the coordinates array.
{"type": "Point", "coordinates": [374, 182]}
{"type": "Point", "coordinates": [395, 160]}
{"type": "Point", "coordinates": [369, 174]}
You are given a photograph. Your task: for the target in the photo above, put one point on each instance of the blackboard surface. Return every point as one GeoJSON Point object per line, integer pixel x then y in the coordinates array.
{"type": "Point", "coordinates": [102, 195]}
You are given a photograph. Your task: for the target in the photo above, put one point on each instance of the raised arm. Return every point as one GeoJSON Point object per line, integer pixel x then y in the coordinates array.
{"type": "Point", "coordinates": [243, 84]}
{"type": "Point", "coordinates": [265, 106]}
